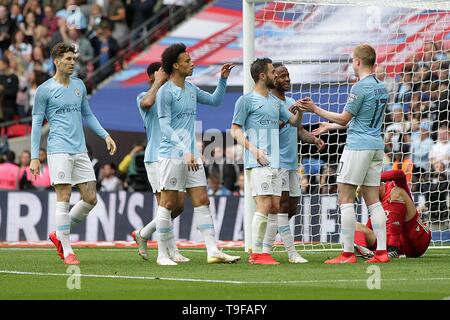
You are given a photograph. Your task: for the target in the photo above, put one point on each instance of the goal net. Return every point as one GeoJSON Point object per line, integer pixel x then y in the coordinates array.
{"type": "Point", "coordinates": [314, 39]}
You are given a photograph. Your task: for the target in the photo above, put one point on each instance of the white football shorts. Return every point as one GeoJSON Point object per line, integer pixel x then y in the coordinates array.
{"type": "Point", "coordinates": [360, 167]}
{"type": "Point", "coordinates": [70, 168]}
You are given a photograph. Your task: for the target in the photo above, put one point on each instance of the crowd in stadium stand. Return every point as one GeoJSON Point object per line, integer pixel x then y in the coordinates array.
{"type": "Point", "coordinates": [29, 29]}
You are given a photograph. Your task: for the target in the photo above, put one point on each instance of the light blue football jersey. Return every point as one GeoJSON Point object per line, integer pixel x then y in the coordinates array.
{"type": "Point", "coordinates": [177, 112]}
{"type": "Point", "coordinates": [288, 140]}
{"type": "Point", "coordinates": [152, 129]}
{"type": "Point", "coordinates": [367, 103]}
{"type": "Point", "coordinates": [65, 109]}
{"type": "Point", "coordinates": [259, 117]}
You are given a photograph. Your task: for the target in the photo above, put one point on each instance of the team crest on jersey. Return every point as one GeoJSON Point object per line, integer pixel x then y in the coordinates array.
{"type": "Point", "coordinates": [264, 186]}
{"type": "Point", "coordinates": [77, 92]}
{"type": "Point", "coordinates": [192, 96]}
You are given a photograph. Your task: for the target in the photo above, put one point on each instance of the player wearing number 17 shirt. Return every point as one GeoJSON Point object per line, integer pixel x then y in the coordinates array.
{"type": "Point", "coordinates": [362, 158]}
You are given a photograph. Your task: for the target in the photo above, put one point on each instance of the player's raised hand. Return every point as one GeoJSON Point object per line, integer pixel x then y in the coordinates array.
{"type": "Point", "coordinates": [319, 143]}
{"type": "Point", "coordinates": [161, 76]}
{"type": "Point", "coordinates": [110, 145]}
{"type": "Point", "coordinates": [191, 162]}
{"type": "Point", "coordinates": [323, 127]}
{"type": "Point", "coordinates": [35, 166]}
{"type": "Point", "coordinates": [226, 69]}
{"type": "Point", "coordinates": [307, 105]}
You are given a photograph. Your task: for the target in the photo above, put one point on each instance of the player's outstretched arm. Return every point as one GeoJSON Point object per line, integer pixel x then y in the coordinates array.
{"type": "Point", "coordinates": [307, 105]}
{"type": "Point", "coordinates": [307, 137]}
{"type": "Point", "coordinates": [327, 126]}
{"type": "Point", "coordinates": [150, 97]}
{"type": "Point", "coordinates": [216, 98]}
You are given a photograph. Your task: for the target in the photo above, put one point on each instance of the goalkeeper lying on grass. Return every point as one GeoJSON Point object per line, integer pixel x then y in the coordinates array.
{"type": "Point", "coordinates": [406, 233]}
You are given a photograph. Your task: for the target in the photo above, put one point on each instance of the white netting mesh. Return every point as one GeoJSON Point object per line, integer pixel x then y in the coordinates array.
{"type": "Point", "coordinates": [314, 39]}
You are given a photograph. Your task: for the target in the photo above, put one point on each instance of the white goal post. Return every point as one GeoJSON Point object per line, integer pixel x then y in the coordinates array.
{"type": "Point", "coordinates": [314, 39]}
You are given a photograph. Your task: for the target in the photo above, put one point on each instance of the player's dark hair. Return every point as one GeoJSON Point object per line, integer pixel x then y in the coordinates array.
{"type": "Point", "coordinates": [170, 56]}
{"type": "Point", "coordinates": [259, 66]}
{"type": "Point", "coordinates": [61, 48]}
{"type": "Point", "coordinates": [153, 67]}
{"type": "Point", "coordinates": [277, 64]}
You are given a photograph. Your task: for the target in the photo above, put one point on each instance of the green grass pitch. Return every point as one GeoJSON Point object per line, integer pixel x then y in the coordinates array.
{"type": "Point", "coordinates": [38, 273]}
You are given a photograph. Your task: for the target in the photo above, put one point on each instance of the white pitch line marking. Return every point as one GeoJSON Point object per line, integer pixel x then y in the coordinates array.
{"type": "Point", "coordinates": [12, 272]}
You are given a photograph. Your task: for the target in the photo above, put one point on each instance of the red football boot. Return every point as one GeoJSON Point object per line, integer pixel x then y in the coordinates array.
{"type": "Point", "coordinates": [57, 243]}
{"type": "Point", "coordinates": [380, 256]}
{"type": "Point", "coordinates": [344, 257]}
{"type": "Point", "coordinates": [266, 258]}
{"type": "Point", "coordinates": [71, 259]}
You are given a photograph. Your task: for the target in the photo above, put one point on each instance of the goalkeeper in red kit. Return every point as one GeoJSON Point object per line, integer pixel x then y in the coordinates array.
{"type": "Point", "coordinates": [406, 233]}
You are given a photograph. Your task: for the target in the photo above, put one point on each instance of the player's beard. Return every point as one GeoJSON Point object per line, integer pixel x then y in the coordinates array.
{"type": "Point", "coordinates": [270, 83]}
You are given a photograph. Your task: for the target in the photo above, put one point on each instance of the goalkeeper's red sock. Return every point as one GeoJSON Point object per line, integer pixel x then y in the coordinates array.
{"type": "Point", "coordinates": [360, 238]}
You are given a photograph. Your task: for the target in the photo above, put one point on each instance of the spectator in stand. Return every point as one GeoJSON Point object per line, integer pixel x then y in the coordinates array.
{"type": "Point", "coordinates": [142, 10]}
{"type": "Point", "coordinates": [95, 17]}
{"type": "Point", "coordinates": [328, 183]}
{"type": "Point", "coordinates": [28, 27]}
{"type": "Point", "coordinates": [10, 84]}
{"type": "Point", "coordinates": [25, 175]}
{"type": "Point", "coordinates": [9, 173]}
{"type": "Point", "coordinates": [38, 57]}
{"type": "Point", "coordinates": [440, 151]}
{"type": "Point", "coordinates": [388, 81]}
{"type": "Point", "coordinates": [7, 29]}
{"type": "Point", "coordinates": [304, 184]}
{"type": "Point", "coordinates": [105, 47]}
{"type": "Point", "coordinates": [117, 15]}
{"type": "Point", "coordinates": [50, 19]}
{"type": "Point", "coordinates": [20, 48]}
{"type": "Point", "coordinates": [109, 182]}
{"type": "Point", "coordinates": [421, 144]}
{"type": "Point", "coordinates": [42, 37]}
{"type": "Point", "coordinates": [239, 190]}
{"type": "Point", "coordinates": [34, 6]}
{"type": "Point", "coordinates": [215, 187]}
{"type": "Point", "coordinates": [402, 161]}
{"type": "Point", "coordinates": [404, 89]}
{"type": "Point", "coordinates": [395, 135]}
{"type": "Point", "coordinates": [16, 14]}
{"type": "Point", "coordinates": [438, 192]}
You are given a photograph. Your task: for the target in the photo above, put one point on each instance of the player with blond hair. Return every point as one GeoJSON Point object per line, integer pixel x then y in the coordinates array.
{"type": "Point", "coordinates": [362, 158]}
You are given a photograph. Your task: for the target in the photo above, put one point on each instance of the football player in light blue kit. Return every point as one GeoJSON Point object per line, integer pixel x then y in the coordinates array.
{"type": "Point", "coordinates": [290, 180]}
{"type": "Point", "coordinates": [62, 100]}
{"type": "Point", "coordinates": [256, 126]}
{"type": "Point", "coordinates": [147, 108]}
{"type": "Point", "coordinates": [362, 159]}
{"type": "Point", "coordinates": [180, 164]}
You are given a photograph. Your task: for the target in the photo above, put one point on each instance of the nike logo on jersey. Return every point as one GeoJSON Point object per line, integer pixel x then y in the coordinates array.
{"type": "Point", "coordinates": [259, 107]}
{"type": "Point", "coordinates": [56, 97]}
{"type": "Point", "coordinates": [397, 223]}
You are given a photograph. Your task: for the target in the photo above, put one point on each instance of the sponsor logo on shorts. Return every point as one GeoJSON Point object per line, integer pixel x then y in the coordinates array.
{"type": "Point", "coordinates": [61, 175]}
{"type": "Point", "coordinates": [264, 186]}
{"type": "Point", "coordinates": [173, 181]}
